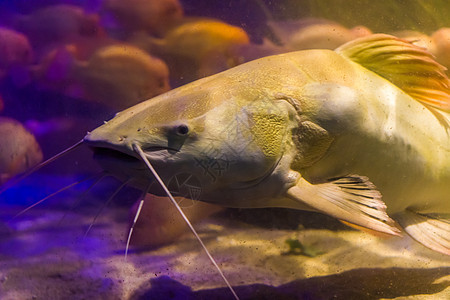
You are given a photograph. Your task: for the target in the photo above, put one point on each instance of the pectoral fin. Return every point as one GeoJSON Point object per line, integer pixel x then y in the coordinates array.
{"type": "Point", "coordinates": [433, 232]}
{"type": "Point", "coordinates": [352, 198]}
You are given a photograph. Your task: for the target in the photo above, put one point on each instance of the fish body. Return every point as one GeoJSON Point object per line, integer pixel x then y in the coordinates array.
{"type": "Point", "coordinates": [122, 75]}
{"type": "Point", "coordinates": [117, 75]}
{"type": "Point", "coordinates": [319, 130]}
{"type": "Point", "coordinates": [15, 51]}
{"type": "Point", "coordinates": [154, 17]}
{"type": "Point", "coordinates": [19, 149]}
{"type": "Point", "coordinates": [58, 24]}
{"type": "Point", "coordinates": [312, 33]}
{"type": "Point", "coordinates": [193, 44]}
{"type": "Point", "coordinates": [197, 37]}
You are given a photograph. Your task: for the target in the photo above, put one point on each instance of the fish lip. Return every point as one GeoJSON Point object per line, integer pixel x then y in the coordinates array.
{"type": "Point", "coordinates": [105, 152]}
{"type": "Point", "coordinates": [124, 157]}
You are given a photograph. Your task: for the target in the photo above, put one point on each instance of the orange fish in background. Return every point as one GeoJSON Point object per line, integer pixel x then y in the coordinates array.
{"type": "Point", "coordinates": [218, 61]}
{"type": "Point", "coordinates": [417, 38]}
{"type": "Point", "coordinates": [186, 45]}
{"type": "Point", "coordinates": [441, 41]}
{"type": "Point", "coordinates": [438, 43]}
{"type": "Point", "coordinates": [19, 149]}
{"type": "Point", "coordinates": [117, 75]}
{"type": "Point", "coordinates": [15, 55]}
{"type": "Point", "coordinates": [309, 33]}
{"type": "Point", "coordinates": [154, 17]}
{"type": "Point", "coordinates": [194, 38]}
{"type": "Point", "coordinates": [56, 25]}
{"type": "Point", "coordinates": [123, 75]}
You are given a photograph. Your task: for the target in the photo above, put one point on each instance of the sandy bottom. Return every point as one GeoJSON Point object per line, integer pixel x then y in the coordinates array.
{"type": "Point", "coordinates": [45, 255]}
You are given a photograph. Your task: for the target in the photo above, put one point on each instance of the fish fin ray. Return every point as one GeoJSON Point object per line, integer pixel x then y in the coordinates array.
{"type": "Point", "coordinates": [411, 68]}
{"type": "Point", "coordinates": [352, 198]}
{"type": "Point", "coordinates": [432, 232]}
{"type": "Point", "coordinates": [367, 230]}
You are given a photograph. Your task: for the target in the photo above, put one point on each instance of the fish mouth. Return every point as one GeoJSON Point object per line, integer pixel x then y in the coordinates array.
{"type": "Point", "coordinates": [102, 153]}
{"type": "Point", "coordinates": [128, 168]}
{"type": "Point", "coordinates": [123, 166]}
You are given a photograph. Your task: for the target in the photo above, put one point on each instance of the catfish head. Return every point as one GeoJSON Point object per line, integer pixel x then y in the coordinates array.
{"type": "Point", "coordinates": [228, 140]}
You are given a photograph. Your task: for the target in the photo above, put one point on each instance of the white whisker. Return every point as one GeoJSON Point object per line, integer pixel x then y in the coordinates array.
{"type": "Point", "coordinates": [100, 175]}
{"type": "Point", "coordinates": [141, 153]}
{"type": "Point", "coordinates": [105, 205]}
{"type": "Point", "coordinates": [53, 194]}
{"type": "Point", "coordinates": [37, 167]}
{"type": "Point", "coordinates": [138, 212]}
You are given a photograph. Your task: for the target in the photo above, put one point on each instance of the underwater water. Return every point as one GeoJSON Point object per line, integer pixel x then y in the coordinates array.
{"type": "Point", "coordinates": [68, 66]}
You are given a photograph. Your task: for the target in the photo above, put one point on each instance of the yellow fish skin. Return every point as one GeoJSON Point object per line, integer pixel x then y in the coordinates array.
{"type": "Point", "coordinates": [316, 129]}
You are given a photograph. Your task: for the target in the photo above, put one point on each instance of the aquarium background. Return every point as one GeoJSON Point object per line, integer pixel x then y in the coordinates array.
{"type": "Point", "coordinates": [59, 82]}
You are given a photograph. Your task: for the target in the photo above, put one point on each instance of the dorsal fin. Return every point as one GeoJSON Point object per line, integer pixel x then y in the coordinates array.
{"type": "Point", "coordinates": [409, 67]}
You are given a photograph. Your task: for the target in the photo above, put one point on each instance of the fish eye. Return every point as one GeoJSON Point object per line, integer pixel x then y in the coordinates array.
{"type": "Point", "coordinates": [182, 130]}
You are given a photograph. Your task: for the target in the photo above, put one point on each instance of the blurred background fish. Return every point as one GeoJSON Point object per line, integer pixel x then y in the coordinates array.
{"type": "Point", "coordinates": [314, 33]}
{"type": "Point", "coordinates": [15, 55]}
{"type": "Point", "coordinates": [19, 150]}
{"type": "Point", "coordinates": [151, 17]}
{"type": "Point", "coordinates": [56, 25]}
{"type": "Point", "coordinates": [118, 75]}
{"type": "Point", "coordinates": [186, 45]}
